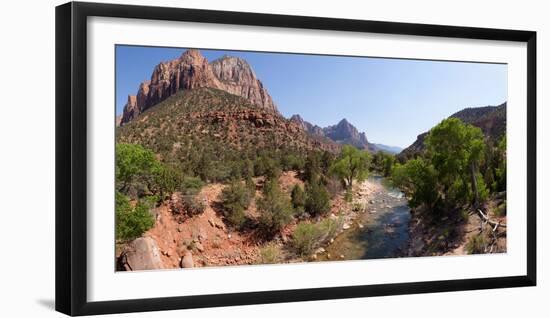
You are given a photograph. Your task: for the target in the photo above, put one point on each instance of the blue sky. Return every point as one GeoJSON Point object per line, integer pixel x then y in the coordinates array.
{"type": "Point", "coordinates": [392, 100]}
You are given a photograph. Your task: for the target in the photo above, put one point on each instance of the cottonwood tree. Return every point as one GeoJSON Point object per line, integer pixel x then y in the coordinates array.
{"type": "Point", "coordinates": [455, 150]}
{"type": "Point", "coordinates": [351, 164]}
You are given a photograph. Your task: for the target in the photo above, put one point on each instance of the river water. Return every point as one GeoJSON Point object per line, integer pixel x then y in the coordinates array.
{"type": "Point", "coordinates": [380, 231]}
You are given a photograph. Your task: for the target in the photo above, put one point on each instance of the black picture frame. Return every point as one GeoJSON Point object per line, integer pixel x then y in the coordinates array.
{"type": "Point", "coordinates": [71, 157]}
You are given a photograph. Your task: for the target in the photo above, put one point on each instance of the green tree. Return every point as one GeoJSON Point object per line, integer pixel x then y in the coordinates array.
{"type": "Point", "coordinates": [275, 208]}
{"type": "Point", "coordinates": [417, 178]}
{"type": "Point", "coordinates": [352, 164]}
{"type": "Point", "coordinates": [298, 199]}
{"type": "Point", "coordinates": [500, 169]}
{"type": "Point", "coordinates": [131, 222]}
{"type": "Point", "coordinates": [456, 150]}
{"type": "Point", "coordinates": [317, 198]}
{"type": "Point", "coordinates": [388, 163]}
{"type": "Point", "coordinates": [134, 163]}
{"type": "Point", "coordinates": [312, 167]}
{"type": "Point", "coordinates": [235, 200]}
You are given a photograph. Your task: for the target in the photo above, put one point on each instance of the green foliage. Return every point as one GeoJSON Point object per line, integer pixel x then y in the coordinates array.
{"type": "Point", "coordinates": [317, 198]}
{"type": "Point", "coordinates": [134, 164]}
{"type": "Point", "coordinates": [348, 195]}
{"type": "Point", "coordinates": [309, 236]}
{"type": "Point", "coordinates": [131, 222]}
{"type": "Point", "coordinates": [476, 245]}
{"type": "Point", "coordinates": [383, 163]}
{"type": "Point", "coordinates": [352, 164]}
{"type": "Point", "coordinates": [500, 209]}
{"type": "Point", "coordinates": [417, 178]}
{"type": "Point", "coordinates": [274, 207]}
{"type": "Point", "coordinates": [456, 151]}
{"type": "Point", "coordinates": [191, 185]}
{"type": "Point", "coordinates": [449, 175]}
{"type": "Point", "coordinates": [292, 162]}
{"type": "Point", "coordinates": [312, 167]}
{"type": "Point", "coordinates": [167, 179]}
{"type": "Point", "coordinates": [267, 165]}
{"type": "Point", "coordinates": [193, 204]}
{"type": "Point", "coordinates": [235, 200]}
{"type": "Point", "coordinates": [305, 238]}
{"type": "Point", "coordinates": [270, 254]}
{"type": "Point", "coordinates": [500, 166]}
{"type": "Point", "coordinates": [298, 199]}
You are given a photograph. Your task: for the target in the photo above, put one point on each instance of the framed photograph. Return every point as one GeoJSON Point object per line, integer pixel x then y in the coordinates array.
{"type": "Point", "coordinates": [209, 158]}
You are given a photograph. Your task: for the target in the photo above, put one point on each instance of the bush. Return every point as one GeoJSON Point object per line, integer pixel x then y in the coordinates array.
{"type": "Point", "coordinates": [317, 199]}
{"type": "Point", "coordinates": [500, 209]}
{"type": "Point", "coordinates": [267, 166]}
{"type": "Point", "coordinates": [306, 238]}
{"type": "Point", "coordinates": [292, 162]}
{"type": "Point", "coordinates": [191, 185]}
{"type": "Point", "coordinates": [476, 245]}
{"type": "Point", "coordinates": [131, 222]}
{"type": "Point", "coordinates": [334, 186]}
{"type": "Point", "coordinates": [193, 204]}
{"type": "Point", "coordinates": [270, 254]}
{"type": "Point", "coordinates": [298, 199]}
{"type": "Point", "coordinates": [275, 208]}
{"type": "Point", "coordinates": [235, 199]}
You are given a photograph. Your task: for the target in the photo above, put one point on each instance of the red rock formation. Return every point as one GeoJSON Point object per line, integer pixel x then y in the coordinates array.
{"type": "Point", "coordinates": [192, 70]}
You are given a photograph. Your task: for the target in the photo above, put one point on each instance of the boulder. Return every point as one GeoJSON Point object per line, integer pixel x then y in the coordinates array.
{"type": "Point", "coordinates": [142, 254]}
{"type": "Point", "coordinates": [187, 260]}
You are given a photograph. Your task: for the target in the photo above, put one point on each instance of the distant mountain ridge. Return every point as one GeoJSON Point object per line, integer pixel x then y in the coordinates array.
{"type": "Point", "coordinates": [490, 119]}
{"type": "Point", "coordinates": [343, 133]}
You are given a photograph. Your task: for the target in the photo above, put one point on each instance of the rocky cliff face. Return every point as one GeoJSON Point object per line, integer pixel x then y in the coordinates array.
{"type": "Point", "coordinates": [191, 71]}
{"type": "Point", "coordinates": [238, 78]}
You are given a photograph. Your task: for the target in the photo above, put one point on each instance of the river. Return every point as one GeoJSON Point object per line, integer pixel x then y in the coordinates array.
{"type": "Point", "coordinates": [380, 230]}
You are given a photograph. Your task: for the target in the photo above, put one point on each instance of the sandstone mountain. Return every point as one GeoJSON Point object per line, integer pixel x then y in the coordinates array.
{"type": "Point", "coordinates": [191, 120]}
{"type": "Point", "coordinates": [191, 71]}
{"type": "Point", "coordinates": [490, 119]}
{"type": "Point", "coordinates": [343, 133]}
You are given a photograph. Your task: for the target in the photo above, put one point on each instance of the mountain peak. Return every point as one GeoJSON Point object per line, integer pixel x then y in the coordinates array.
{"type": "Point", "coordinates": [344, 121]}
{"type": "Point", "coordinates": [191, 71]}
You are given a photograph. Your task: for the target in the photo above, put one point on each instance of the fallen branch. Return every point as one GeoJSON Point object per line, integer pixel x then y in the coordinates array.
{"type": "Point", "coordinates": [485, 218]}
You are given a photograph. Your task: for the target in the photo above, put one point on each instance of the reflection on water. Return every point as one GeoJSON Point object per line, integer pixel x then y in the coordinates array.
{"type": "Point", "coordinates": [384, 231]}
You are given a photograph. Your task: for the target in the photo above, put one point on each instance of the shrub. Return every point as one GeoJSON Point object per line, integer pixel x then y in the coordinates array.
{"type": "Point", "coordinates": [308, 236]}
{"type": "Point", "coordinates": [235, 199]}
{"type": "Point", "coordinates": [500, 209]}
{"type": "Point", "coordinates": [476, 245]}
{"type": "Point", "coordinates": [305, 238]}
{"type": "Point", "coordinates": [298, 199]}
{"type": "Point", "coordinates": [267, 166]}
{"type": "Point", "coordinates": [292, 162]}
{"type": "Point", "coordinates": [333, 186]}
{"type": "Point", "coordinates": [275, 208]}
{"type": "Point", "coordinates": [317, 199]}
{"type": "Point", "coordinates": [312, 167]}
{"type": "Point", "coordinates": [191, 185]}
{"type": "Point", "coordinates": [270, 254]}
{"type": "Point", "coordinates": [131, 222]}
{"type": "Point", "coordinates": [348, 195]}
{"type": "Point", "coordinates": [193, 204]}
